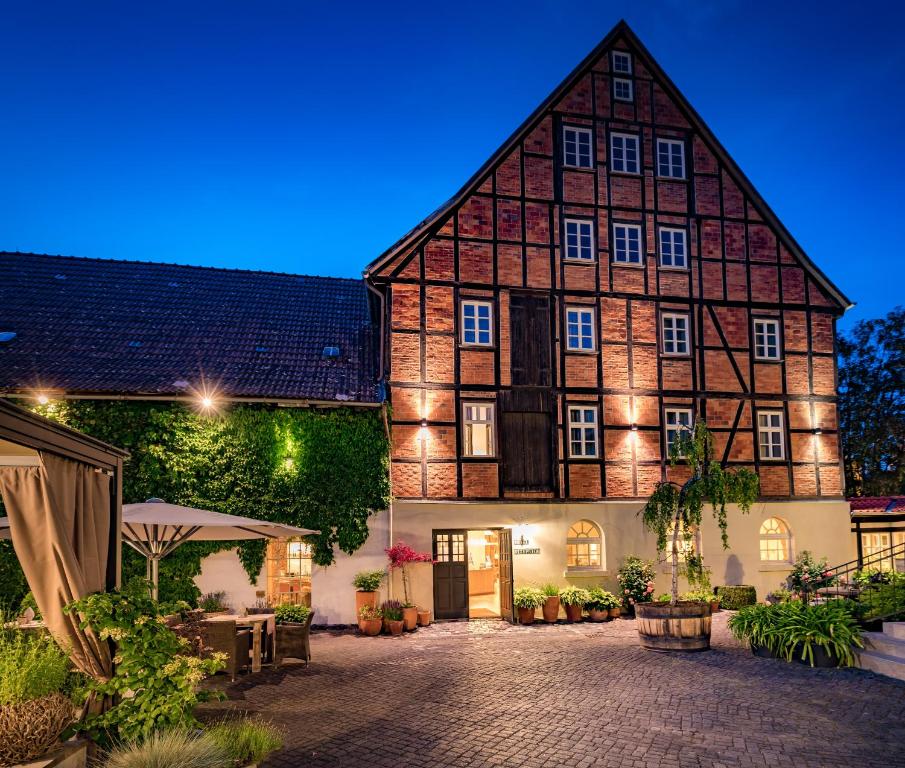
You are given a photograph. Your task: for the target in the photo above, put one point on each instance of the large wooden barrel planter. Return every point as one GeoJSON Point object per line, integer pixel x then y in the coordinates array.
{"type": "Point", "coordinates": [681, 627]}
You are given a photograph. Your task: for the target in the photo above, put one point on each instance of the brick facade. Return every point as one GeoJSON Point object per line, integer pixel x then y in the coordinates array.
{"type": "Point", "coordinates": [505, 232]}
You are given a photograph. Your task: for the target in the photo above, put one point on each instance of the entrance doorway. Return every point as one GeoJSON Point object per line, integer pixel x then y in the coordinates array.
{"type": "Point", "coordinates": [472, 574]}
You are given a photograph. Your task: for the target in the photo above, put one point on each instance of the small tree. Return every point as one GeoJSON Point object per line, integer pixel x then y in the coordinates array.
{"type": "Point", "coordinates": [675, 510]}
{"type": "Point", "coordinates": [402, 555]}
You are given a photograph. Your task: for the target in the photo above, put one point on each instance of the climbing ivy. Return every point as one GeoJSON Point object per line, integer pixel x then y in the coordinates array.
{"type": "Point", "coordinates": [315, 468]}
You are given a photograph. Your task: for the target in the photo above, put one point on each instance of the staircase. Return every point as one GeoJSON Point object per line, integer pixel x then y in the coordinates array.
{"type": "Point", "coordinates": [884, 652]}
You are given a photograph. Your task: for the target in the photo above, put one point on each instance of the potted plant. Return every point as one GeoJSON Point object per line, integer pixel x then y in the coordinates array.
{"type": "Point", "coordinates": [636, 580]}
{"type": "Point", "coordinates": [370, 620]}
{"type": "Point", "coordinates": [675, 510]}
{"type": "Point", "coordinates": [599, 604]}
{"type": "Point", "coordinates": [366, 584]}
{"type": "Point", "coordinates": [424, 617]}
{"type": "Point", "coordinates": [573, 600]}
{"type": "Point", "coordinates": [551, 603]}
{"type": "Point", "coordinates": [392, 617]}
{"type": "Point", "coordinates": [527, 600]}
{"type": "Point", "coordinates": [402, 557]}
{"type": "Point", "coordinates": [291, 635]}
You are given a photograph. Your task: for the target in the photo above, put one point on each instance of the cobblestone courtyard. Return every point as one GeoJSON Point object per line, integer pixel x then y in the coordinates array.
{"type": "Point", "coordinates": [486, 694]}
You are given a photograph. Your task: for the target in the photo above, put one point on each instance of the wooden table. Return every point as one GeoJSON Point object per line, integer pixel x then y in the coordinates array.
{"type": "Point", "coordinates": [256, 622]}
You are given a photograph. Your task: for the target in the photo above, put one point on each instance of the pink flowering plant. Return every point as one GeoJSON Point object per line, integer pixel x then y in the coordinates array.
{"type": "Point", "coordinates": [809, 574]}
{"type": "Point", "coordinates": [401, 555]}
{"type": "Point", "coordinates": [636, 581]}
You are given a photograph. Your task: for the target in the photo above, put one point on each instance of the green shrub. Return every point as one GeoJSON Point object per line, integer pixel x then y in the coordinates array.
{"type": "Point", "coordinates": [528, 597]}
{"type": "Point", "coordinates": [212, 602]}
{"type": "Point", "coordinates": [288, 613]}
{"type": "Point", "coordinates": [573, 596]}
{"type": "Point", "coordinates": [31, 666]}
{"type": "Point", "coordinates": [733, 597]}
{"type": "Point", "coordinates": [368, 581]}
{"type": "Point", "coordinates": [699, 596]}
{"type": "Point", "coordinates": [787, 629]}
{"type": "Point", "coordinates": [601, 600]}
{"type": "Point", "coordinates": [246, 741]}
{"type": "Point", "coordinates": [174, 748]}
{"type": "Point", "coordinates": [636, 578]}
{"type": "Point", "coordinates": [550, 590]}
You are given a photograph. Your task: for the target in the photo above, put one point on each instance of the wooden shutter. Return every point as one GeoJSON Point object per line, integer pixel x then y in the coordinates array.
{"type": "Point", "coordinates": [526, 439]}
{"type": "Point", "coordinates": [530, 340]}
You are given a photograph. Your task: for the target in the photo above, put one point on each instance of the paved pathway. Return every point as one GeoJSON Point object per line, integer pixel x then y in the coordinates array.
{"type": "Point", "coordinates": [482, 693]}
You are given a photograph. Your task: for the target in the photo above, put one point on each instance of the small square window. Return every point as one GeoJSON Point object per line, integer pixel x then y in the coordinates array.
{"type": "Point", "coordinates": [766, 339]}
{"type": "Point", "coordinates": [624, 155]}
{"type": "Point", "coordinates": [770, 435]}
{"type": "Point", "coordinates": [623, 90]}
{"type": "Point", "coordinates": [477, 323]}
{"type": "Point", "coordinates": [579, 240]}
{"type": "Point", "coordinates": [477, 429]}
{"type": "Point", "coordinates": [676, 421]}
{"type": "Point", "coordinates": [673, 251]}
{"type": "Point", "coordinates": [675, 334]}
{"type": "Point", "coordinates": [580, 329]}
{"type": "Point", "coordinates": [577, 144]}
{"type": "Point", "coordinates": [622, 62]}
{"type": "Point", "coordinates": [582, 431]}
{"type": "Point", "coordinates": [670, 158]}
{"type": "Point", "coordinates": [627, 244]}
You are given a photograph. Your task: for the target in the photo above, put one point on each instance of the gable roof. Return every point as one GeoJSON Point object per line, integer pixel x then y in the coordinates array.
{"type": "Point", "coordinates": [877, 505]}
{"type": "Point", "coordinates": [109, 327]}
{"type": "Point", "coordinates": [424, 229]}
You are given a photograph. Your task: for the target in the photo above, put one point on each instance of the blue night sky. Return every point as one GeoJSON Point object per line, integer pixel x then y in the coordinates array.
{"type": "Point", "coordinates": [305, 137]}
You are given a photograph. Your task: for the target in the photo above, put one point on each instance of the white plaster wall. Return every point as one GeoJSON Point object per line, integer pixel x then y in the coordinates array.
{"type": "Point", "coordinates": [224, 571]}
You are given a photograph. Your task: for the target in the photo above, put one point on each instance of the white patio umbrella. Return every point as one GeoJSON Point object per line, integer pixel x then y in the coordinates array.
{"type": "Point", "coordinates": [155, 528]}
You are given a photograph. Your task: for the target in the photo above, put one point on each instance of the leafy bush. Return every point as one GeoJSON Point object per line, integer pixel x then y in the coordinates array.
{"type": "Point", "coordinates": [246, 741]}
{"type": "Point", "coordinates": [787, 629]}
{"type": "Point", "coordinates": [636, 577]}
{"type": "Point", "coordinates": [808, 573]}
{"type": "Point", "coordinates": [154, 684]}
{"type": "Point", "coordinates": [882, 594]}
{"type": "Point", "coordinates": [733, 597]}
{"type": "Point", "coordinates": [528, 597]}
{"type": "Point", "coordinates": [779, 595]}
{"type": "Point", "coordinates": [392, 610]}
{"type": "Point", "coordinates": [550, 590]}
{"type": "Point", "coordinates": [174, 748]}
{"type": "Point", "coordinates": [699, 596]}
{"type": "Point", "coordinates": [31, 666]}
{"type": "Point", "coordinates": [288, 613]}
{"type": "Point", "coordinates": [369, 612]}
{"type": "Point", "coordinates": [368, 581]}
{"type": "Point", "coordinates": [212, 602]}
{"type": "Point", "coordinates": [573, 596]}
{"type": "Point", "coordinates": [601, 600]}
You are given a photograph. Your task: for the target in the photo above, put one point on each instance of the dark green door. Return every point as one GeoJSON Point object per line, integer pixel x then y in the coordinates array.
{"type": "Point", "coordinates": [450, 575]}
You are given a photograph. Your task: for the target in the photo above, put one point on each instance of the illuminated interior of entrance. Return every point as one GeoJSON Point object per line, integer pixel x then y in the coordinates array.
{"type": "Point", "coordinates": [288, 572]}
{"type": "Point", "coordinates": [483, 574]}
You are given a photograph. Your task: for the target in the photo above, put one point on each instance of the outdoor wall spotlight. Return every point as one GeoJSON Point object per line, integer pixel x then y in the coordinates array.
{"type": "Point", "coordinates": [818, 431]}
{"type": "Point", "coordinates": [634, 427]}
{"type": "Point", "coordinates": [207, 403]}
{"type": "Point", "coordinates": [423, 423]}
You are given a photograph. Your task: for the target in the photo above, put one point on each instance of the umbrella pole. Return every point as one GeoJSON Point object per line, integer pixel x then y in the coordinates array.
{"type": "Point", "coordinates": [152, 573]}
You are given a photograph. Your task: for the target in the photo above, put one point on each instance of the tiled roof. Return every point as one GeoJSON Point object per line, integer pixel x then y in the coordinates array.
{"type": "Point", "coordinates": [877, 505]}
{"type": "Point", "coordinates": [95, 326]}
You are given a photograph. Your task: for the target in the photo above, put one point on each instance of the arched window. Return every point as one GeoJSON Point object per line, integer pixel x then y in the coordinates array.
{"type": "Point", "coordinates": [775, 541]}
{"type": "Point", "coordinates": [584, 546]}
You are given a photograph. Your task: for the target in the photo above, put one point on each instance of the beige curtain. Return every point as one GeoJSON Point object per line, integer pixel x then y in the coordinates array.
{"type": "Point", "coordinates": [59, 519]}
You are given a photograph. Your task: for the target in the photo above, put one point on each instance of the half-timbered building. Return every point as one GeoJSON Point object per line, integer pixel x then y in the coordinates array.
{"type": "Point", "coordinates": [608, 276]}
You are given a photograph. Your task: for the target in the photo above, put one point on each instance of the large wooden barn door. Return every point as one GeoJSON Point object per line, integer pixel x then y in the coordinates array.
{"type": "Point", "coordinates": [450, 574]}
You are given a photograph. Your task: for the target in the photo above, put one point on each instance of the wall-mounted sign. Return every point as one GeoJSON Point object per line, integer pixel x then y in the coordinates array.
{"type": "Point", "coordinates": [526, 551]}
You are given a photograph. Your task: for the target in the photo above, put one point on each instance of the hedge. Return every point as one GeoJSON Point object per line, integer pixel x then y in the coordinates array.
{"type": "Point", "coordinates": [734, 597]}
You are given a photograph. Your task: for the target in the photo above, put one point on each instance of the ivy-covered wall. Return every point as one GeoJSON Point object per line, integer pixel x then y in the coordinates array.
{"type": "Point", "coordinates": [325, 469]}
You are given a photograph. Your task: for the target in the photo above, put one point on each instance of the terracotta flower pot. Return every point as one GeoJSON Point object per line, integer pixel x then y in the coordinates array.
{"type": "Point", "coordinates": [526, 615]}
{"type": "Point", "coordinates": [614, 612]}
{"type": "Point", "coordinates": [714, 606]}
{"type": "Point", "coordinates": [424, 618]}
{"type": "Point", "coordinates": [370, 627]}
{"type": "Point", "coordinates": [395, 627]}
{"type": "Point", "coordinates": [598, 615]}
{"type": "Point", "coordinates": [573, 612]}
{"type": "Point", "coordinates": [410, 618]}
{"type": "Point", "coordinates": [363, 599]}
{"type": "Point", "coordinates": [551, 609]}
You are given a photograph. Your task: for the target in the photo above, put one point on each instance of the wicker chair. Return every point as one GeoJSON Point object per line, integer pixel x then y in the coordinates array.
{"type": "Point", "coordinates": [224, 637]}
{"type": "Point", "coordinates": [292, 641]}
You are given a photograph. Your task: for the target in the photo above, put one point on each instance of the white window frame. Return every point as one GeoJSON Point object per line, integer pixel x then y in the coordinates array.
{"type": "Point", "coordinates": [628, 60]}
{"type": "Point", "coordinates": [672, 232]}
{"type": "Point", "coordinates": [578, 131]}
{"type": "Point", "coordinates": [636, 228]}
{"type": "Point", "coordinates": [476, 303]}
{"type": "Point", "coordinates": [771, 429]}
{"type": "Point", "coordinates": [763, 333]}
{"type": "Point", "coordinates": [675, 429]}
{"type": "Point", "coordinates": [581, 423]}
{"type": "Point", "coordinates": [623, 151]}
{"type": "Point", "coordinates": [469, 422]}
{"type": "Point", "coordinates": [580, 225]}
{"type": "Point", "coordinates": [583, 310]}
{"type": "Point", "coordinates": [669, 167]}
{"type": "Point", "coordinates": [673, 317]}
{"type": "Point", "coordinates": [785, 535]}
{"type": "Point", "coordinates": [623, 81]}
{"type": "Point", "coordinates": [590, 542]}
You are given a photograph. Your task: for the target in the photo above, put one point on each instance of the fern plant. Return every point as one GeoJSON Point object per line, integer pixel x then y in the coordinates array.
{"type": "Point", "coordinates": [675, 510]}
